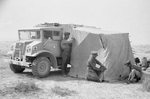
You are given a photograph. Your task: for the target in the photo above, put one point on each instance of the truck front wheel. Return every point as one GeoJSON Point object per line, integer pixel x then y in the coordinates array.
{"type": "Point", "coordinates": [41, 67]}
{"type": "Point", "coordinates": [16, 68]}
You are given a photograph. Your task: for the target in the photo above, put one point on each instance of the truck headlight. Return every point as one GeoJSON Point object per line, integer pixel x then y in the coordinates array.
{"type": "Point", "coordinates": [34, 48]}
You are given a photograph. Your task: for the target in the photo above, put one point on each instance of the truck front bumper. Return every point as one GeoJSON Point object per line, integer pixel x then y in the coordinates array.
{"type": "Point", "coordinates": [20, 63]}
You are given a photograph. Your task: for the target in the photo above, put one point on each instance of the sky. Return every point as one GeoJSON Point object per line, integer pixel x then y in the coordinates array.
{"type": "Point", "coordinates": [129, 16]}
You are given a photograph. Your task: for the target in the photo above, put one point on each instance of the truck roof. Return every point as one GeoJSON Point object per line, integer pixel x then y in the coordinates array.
{"type": "Point", "coordinates": [57, 26]}
{"type": "Point", "coordinates": [40, 28]}
{"type": "Point", "coordinates": [50, 26]}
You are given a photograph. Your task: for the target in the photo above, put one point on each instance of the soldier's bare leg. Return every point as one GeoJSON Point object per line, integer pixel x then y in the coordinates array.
{"type": "Point", "coordinates": [102, 76]}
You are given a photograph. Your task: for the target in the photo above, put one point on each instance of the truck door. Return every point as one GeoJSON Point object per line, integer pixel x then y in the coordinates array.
{"type": "Point", "coordinates": [52, 40]}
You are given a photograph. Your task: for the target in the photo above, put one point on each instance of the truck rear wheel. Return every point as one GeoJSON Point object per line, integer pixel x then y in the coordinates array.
{"type": "Point", "coordinates": [16, 68]}
{"type": "Point", "coordinates": [41, 67]}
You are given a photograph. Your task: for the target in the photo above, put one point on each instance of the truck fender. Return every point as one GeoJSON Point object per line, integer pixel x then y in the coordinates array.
{"type": "Point", "coordinates": [47, 54]}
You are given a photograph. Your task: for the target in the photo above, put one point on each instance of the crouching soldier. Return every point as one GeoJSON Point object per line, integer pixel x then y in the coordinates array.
{"type": "Point", "coordinates": [95, 73]}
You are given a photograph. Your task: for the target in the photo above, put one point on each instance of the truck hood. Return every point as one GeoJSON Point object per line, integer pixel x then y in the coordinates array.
{"type": "Point", "coordinates": [34, 43]}
{"type": "Point", "coordinates": [26, 41]}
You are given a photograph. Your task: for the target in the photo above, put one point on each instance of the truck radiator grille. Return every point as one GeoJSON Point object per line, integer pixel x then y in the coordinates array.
{"type": "Point", "coordinates": [17, 53]}
{"type": "Point", "coordinates": [19, 50]}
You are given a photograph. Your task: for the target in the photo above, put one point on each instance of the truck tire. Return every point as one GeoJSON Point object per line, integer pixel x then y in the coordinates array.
{"type": "Point", "coordinates": [16, 68]}
{"type": "Point", "coordinates": [41, 67]}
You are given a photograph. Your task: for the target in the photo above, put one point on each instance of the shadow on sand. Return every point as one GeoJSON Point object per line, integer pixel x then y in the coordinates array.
{"type": "Point", "coordinates": [53, 75]}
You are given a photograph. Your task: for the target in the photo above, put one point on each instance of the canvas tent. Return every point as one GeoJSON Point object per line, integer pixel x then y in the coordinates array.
{"type": "Point", "coordinates": [113, 48]}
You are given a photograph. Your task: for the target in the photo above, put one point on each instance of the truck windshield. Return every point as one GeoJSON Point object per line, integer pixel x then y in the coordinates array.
{"type": "Point", "coordinates": [27, 35]}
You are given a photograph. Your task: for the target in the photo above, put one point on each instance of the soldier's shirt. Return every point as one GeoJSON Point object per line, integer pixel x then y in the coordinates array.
{"type": "Point", "coordinates": [66, 44]}
{"type": "Point", "coordinates": [95, 64]}
{"type": "Point", "coordinates": [92, 63]}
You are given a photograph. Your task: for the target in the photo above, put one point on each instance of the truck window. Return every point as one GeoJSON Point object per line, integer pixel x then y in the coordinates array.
{"type": "Point", "coordinates": [47, 34]}
{"type": "Point", "coordinates": [38, 34]}
{"type": "Point", "coordinates": [35, 35]}
{"type": "Point", "coordinates": [29, 34]}
{"type": "Point", "coordinates": [56, 33]}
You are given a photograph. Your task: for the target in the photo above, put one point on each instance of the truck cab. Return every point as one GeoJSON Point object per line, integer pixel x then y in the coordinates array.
{"type": "Point", "coordinates": [37, 49]}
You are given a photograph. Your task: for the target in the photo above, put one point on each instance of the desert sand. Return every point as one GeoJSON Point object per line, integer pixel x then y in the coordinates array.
{"type": "Point", "coordinates": [55, 86]}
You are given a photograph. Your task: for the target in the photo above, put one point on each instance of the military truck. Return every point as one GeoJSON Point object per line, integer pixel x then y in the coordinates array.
{"type": "Point", "coordinates": [38, 49]}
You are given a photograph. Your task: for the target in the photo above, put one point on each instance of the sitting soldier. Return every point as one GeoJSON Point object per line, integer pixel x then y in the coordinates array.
{"type": "Point", "coordinates": [135, 72]}
{"type": "Point", "coordinates": [95, 73]}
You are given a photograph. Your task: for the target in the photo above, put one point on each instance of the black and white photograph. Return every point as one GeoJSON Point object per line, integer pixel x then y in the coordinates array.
{"type": "Point", "coordinates": [74, 49]}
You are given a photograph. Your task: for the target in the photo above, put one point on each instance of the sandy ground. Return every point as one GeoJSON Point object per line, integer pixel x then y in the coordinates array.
{"type": "Point", "coordinates": [55, 86]}
{"type": "Point", "coordinates": [77, 88]}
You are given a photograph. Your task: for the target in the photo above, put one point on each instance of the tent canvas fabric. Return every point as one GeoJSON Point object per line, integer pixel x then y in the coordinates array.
{"type": "Point", "coordinates": [113, 51]}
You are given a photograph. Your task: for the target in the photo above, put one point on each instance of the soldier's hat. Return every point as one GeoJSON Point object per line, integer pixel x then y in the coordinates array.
{"type": "Point", "coordinates": [94, 52]}
{"type": "Point", "coordinates": [66, 33]}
